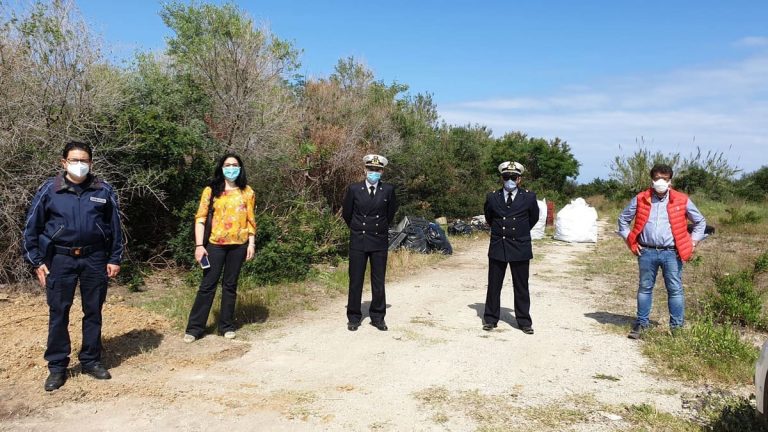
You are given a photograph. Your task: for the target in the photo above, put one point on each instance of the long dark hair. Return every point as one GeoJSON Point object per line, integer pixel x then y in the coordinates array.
{"type": "Point", "coordinates": [217, 184]}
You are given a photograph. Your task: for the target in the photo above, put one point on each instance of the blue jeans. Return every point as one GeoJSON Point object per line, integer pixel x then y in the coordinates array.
{"type": "Point", "coordinates": [649, 261]}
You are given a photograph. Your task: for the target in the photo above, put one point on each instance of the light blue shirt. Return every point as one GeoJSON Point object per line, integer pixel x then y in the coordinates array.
{"type": "Point", "coordinates": [658, 231]}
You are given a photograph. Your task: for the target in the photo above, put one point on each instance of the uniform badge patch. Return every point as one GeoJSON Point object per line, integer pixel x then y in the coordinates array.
{"type": "Point", "coordinates": [99, 200]}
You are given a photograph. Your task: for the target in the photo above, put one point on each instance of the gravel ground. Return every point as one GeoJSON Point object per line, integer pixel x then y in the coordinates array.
{"type": "Point", "coordinates": [435, 369]}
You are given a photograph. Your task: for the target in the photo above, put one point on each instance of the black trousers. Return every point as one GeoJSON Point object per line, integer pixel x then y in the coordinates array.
{"type": "Point", "coordinates": [357, 263]}
{"type": "Point", "coordinates": [65, 272]}
{"type": "Point", "coordinates": [229, 260]}
{"type": "Point", "coordinates": [519, 271]}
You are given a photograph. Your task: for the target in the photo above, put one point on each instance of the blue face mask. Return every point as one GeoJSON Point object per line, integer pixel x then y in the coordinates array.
{"type": "Point", "coordinates": [231, 173]}
{"type": "Point", "coordinates": [510, 185]}
{"type": "Point", "coordinates": [373, 177]}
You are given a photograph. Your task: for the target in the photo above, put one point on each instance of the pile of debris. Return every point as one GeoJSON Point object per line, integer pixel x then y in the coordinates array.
{"type": "Point", "coordinates": [420, 235]}
{"type": "Point", "coordinates": [477, 223]}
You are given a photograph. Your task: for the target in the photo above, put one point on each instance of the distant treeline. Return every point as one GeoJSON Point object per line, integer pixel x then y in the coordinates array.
{"type": "Point", "coordinates": [222, 84]}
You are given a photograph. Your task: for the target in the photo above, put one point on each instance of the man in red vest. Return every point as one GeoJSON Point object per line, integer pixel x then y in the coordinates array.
{"type": "Point", "coordinates": [660, 239]}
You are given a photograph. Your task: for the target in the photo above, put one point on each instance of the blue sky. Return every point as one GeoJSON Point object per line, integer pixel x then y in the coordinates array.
{"type": "Point", "coordinates": [602, 75]}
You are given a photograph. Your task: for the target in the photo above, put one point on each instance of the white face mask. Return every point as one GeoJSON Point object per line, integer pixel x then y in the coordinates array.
{"type": "Point", "coordinates": [660, 186]}
{"type": "Point", "coordinates": [78, 170]}
{"type": "Point", "coordinates": [510, 185]}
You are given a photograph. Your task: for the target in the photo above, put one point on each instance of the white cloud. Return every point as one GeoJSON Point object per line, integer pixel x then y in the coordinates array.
{"type": "Point", "coordinates": [753, 41]}
{"type": "Point", "coordinates": [722, 108]}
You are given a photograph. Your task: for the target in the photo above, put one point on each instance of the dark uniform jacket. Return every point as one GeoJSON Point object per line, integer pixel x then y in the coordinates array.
{"type": "Point", "coordinates": [511, 226]}
{"type": "Point", "coordinates": [369, 218]}
{"type": "Point", "coordinates": [60, 216]}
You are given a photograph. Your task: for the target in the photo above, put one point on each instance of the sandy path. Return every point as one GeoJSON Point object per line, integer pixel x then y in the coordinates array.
{"type": "Point", "coordinates": [435, 369]}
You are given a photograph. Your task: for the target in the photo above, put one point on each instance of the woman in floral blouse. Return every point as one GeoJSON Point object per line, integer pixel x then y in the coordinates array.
{"type": "Point", "coordinates": [230, 243]}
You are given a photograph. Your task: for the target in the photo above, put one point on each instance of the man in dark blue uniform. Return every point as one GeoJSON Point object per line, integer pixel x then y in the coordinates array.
{"type": "Point", "coordinates": [369, 208]}
{"type": "Point", "coordinates": [511, 212]}
{"type": "Point", "coordinates": [73, 234]}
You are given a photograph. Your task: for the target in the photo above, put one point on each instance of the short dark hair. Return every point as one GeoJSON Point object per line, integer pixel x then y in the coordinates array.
{"type": "Point", "coordinates": [76, 145]}
{"type": "Point", "coordinates": [661, 169]}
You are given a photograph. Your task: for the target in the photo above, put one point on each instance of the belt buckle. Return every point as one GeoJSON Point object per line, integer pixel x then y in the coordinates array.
{"type": "Point", "coordinates": [76, 251]}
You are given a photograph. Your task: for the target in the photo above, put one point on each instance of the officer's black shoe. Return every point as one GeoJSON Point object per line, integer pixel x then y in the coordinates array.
{"type": "Point", "coordinates": [527, 329]}
{"type": "Point", "coordinates": [381, 325]}
{"type": "Point", "coordinates": [97, 371]}
{"type": "Point", "coordinates": [489, 327]}
{"type": "Point", "coordinates": [352, 326]}
{"type": "Point", "coordinates": [55, 380]}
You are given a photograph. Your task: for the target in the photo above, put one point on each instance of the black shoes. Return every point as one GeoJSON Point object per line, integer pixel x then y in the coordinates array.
{"type": "Point", "coordinates": [97, 371]}
{"type": "Point", "coordinates": [636, 332]}
{"type": "Point", "coordinates": [55, 380]}
{"type": "Point", "coordinates": [381, 325]}
{"type": "Point", "coordinates": [524, 329]}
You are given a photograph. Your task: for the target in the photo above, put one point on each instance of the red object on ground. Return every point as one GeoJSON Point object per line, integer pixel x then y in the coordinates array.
{"type": "Point", "coordinates": [550, 213]}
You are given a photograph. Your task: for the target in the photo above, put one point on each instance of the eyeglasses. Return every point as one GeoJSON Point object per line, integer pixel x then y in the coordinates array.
{"type": "Point", "coordinates": [74, 161]}
{"type": "Point", "coordinates": [508, 176]}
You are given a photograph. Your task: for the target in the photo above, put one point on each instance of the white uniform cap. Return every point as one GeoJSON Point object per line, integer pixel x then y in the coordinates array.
{"type": "Point", "coordinates": [511, 167]}
{"type": "Point", "coordinates": [375, 161]}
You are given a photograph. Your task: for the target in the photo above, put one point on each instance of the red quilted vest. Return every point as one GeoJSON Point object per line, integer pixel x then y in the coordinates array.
{"type": "Point", "coordinates": [676, 206]}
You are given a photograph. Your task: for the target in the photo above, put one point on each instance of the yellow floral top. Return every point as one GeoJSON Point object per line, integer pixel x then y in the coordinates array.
{"type": "Point", "coordinates": [233, 215]}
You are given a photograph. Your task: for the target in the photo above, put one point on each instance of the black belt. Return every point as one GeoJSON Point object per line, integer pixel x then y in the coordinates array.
{"type": "Point", "coordinates": [658, 247]}
{"type": "Point", "coordinates": [77, 251]}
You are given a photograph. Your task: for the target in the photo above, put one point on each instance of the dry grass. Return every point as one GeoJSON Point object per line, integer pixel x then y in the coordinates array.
{"type": "Point", "coordinates": [503, 412]}
{"type": "Point", "coordinates": [421, 339]}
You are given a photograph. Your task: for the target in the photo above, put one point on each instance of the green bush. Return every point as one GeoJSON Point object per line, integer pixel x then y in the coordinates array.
{"type": "Point", "coordinates": [286, 246]}
{"type": "Point", "coordinates": [182, 244]}
{"type": "Point", "coordinates": [611, 189]}
{"type": "Point", "coordinates": [761, 263]}
{"type": "Point", "coordinates": [753, 186]}
{"type": "Point", "coordinates": [704, 350]}
{"type": "Point", "coordinates": [736, 301]}
{"type": "Point", "coordinates": [738, 216]}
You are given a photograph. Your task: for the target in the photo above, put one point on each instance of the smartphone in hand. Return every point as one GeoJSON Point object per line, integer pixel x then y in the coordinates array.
{"type": "Point", "coordinates": [204, 263]}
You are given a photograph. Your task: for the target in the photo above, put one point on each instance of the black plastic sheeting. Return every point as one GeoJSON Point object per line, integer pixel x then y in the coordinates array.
{"type": "Point", "coordinates": [460, 228]}
{"type": "Point", "coordinates": [418, 234]}
{"type": "Point", "coordinates": [463, 228]}
{"type": "Point", "coordinates": [437, 240]}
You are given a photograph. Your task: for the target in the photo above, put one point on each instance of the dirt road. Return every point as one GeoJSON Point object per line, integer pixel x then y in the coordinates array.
{"type": "Point", "coordinates": [435, 369]}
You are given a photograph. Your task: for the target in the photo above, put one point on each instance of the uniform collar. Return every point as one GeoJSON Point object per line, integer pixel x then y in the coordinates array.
{"type": "Point", "coordinates": [60, 184]}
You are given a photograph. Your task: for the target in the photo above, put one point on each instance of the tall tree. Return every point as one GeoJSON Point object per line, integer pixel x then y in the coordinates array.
{"type": "Point", "coordinates": [242, 69]}
{"type": "Point", "coordinates": [346, 116]}
{"type": "Point", "coordinates": [548, 164]}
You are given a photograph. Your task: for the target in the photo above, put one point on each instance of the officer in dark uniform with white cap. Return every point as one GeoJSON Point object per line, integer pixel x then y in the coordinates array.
{"type": "Point", "coordinates": [369, 208]}
{"type": "Point", "coordinates": [511, 212]}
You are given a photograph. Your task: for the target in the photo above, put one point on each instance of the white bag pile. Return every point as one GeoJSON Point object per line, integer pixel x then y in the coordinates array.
{"type": "Point", "coordinates": [576, 223]}
{"type": "Point", "coordinates": [537, 232]}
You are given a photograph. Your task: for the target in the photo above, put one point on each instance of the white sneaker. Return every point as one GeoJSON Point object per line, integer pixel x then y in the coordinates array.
{"type": "Point", "coordinates": [229, 335]}
{"type": "Point", "coordinates": [188, 338]}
